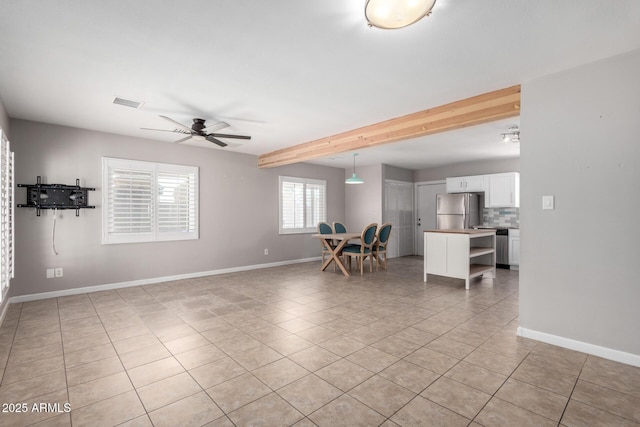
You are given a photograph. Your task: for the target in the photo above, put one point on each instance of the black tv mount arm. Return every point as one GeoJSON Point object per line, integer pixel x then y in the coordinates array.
{"type": "Point", "coordinates": [56, 196]}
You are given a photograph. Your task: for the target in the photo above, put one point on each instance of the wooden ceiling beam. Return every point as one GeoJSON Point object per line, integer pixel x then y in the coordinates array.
{"type": "Point", "coordinates": [488, 107]}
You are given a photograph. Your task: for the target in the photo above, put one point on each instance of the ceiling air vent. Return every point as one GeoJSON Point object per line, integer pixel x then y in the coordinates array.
{"type": "Point", "coordinates": [127, 102]}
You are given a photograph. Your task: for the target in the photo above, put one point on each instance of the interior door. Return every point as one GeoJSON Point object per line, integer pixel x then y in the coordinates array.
{"type": "Point", "coordinates": [399, 212]}
{"type": "Point", "coordinates": [426, 210]}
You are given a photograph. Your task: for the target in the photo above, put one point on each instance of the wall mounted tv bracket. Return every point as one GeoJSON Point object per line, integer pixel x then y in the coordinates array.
{"type": "Point", "coordinates": [57, 196]}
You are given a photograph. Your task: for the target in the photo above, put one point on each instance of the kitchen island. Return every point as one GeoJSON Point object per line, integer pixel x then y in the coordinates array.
{"type": "Point", "coordinates": [460, 253]}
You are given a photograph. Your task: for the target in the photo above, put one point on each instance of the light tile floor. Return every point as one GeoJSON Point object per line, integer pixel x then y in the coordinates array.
{"type": "Point", "coordinates": [295, 346]}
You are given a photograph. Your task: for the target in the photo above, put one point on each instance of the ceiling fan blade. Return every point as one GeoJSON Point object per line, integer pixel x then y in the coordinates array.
{"type": "Point", "coordinates": [180, 141]}
{"type": "Point", "coordinates": [172, 130]}
{"type": "Point", "coordinates": [224, 135]}
{"type": "Point", "coordinates": [216, 126]}
{"type": "Point", "coordinates": [180, 125]}
{"type": "Point", "coordinates": [210, 138]}
{"type": "Point", "coordinates": [160, 130]}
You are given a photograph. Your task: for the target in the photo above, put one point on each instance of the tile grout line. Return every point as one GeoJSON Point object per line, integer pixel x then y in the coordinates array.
{"type": "Point", "coordinates": [202, 389]}
{"type": "Point", "coordinates": [602, 386]}
{"type": "Point", "coordinates": [92, 302]}
{"type": "Point", "coordinates": [498, 389]}
{"type": "Point", "coordinates": [373, 301]}
{"type": "Point", "coordinates": [11, 348]}
{"type": "Point", "coordinates": [575, 384]}
{"type": "Point", "coordinates": [64, 361]}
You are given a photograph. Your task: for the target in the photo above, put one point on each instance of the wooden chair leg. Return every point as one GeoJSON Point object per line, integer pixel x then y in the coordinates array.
{"type": "Point", "coordinates": [334, 265]}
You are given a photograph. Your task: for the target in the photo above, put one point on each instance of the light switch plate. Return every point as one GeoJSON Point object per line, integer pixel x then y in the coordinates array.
{"type": "Point", "coordinates": [547, 202]}
{"type": "Point", "coordinates": [50, 273]}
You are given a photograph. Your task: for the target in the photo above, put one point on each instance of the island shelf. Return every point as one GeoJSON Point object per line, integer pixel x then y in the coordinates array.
{"type": "Point", "coordinates": [463, 254]}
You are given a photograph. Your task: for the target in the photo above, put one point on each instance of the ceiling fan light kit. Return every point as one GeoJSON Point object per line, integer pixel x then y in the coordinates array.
{"type": "Point", "coordinates": [513, 135]}
{"type": "Point", "coordinates": [393, 14]}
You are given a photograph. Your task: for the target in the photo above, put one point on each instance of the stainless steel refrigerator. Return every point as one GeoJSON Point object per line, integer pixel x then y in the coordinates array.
{"type": "Point", "coordinates": [458, 210]}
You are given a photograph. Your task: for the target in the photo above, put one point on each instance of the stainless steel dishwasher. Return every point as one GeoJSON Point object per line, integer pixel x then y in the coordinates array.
{"type": "Point", "coordinates": [502, 248]}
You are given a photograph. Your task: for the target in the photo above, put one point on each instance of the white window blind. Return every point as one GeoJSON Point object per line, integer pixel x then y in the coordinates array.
{"type": "Point", "coordinates": [145, 201]}
{"type": "Point", "coordinates": [176, 202]}
{"type": "Point", "coordinates": [303, 203]}
{"type": "Point", "coordinates": [6, 216]}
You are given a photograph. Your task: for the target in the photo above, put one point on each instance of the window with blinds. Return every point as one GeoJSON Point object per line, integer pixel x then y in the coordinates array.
{"type": "Point", "coordinates": [6, 216]}
{"type": "Point", "coordinates": [303, 203]}
{"type": "Point", "coordinates": [146, 202]}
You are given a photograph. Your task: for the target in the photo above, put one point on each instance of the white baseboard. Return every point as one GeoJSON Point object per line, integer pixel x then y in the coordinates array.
{"type": "Point", "coordinates": [110, 286]}
{"type": "Point", "coordinates": [596, 350]}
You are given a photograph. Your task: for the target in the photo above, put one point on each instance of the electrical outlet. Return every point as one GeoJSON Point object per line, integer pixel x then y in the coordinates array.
{"type": "Point", "coordinates": [547, 202]}
{"type": "Point", "coordinates": [266, 251]}
{"type": "Point", "coordinates": [59, 272]}
{"type": "Point", "coordinates": [50, 273]}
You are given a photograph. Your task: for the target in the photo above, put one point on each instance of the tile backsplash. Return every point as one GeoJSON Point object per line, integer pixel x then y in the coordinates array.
{"type": "Point", "coordinates": [501, 217]}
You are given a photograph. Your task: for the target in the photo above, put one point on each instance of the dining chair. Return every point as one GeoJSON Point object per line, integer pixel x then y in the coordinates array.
{"type": "Point", "coordinates": [364, 249]}
{"type": "Point", "coordinates": [325, 228]}
{"type": "Point", "coordinates": [380, 246]}
{"type": "Point", "coordinates": [339, 227]}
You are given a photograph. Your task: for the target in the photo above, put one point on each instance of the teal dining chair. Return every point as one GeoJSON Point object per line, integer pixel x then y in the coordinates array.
{"type": "Point", "coordinates": [380, 246]}
{"type": "Point", "coordinates": [364, 249]}
{"type": "Point", "coordinates": [339, 227]}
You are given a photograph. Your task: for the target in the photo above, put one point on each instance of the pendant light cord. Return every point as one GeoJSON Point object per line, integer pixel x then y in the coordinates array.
{"type": "Point", "coordinates": [53, 234]}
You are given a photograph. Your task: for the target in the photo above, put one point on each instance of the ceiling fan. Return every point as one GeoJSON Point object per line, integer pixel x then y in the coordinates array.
{"type": "Point", "coordinates": [200, 132]}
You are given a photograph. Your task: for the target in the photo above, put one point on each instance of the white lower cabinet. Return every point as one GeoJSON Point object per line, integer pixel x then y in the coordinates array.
{"type": "Point", "coordinates": [514, 249]}
{"type": "Point", "coordinates": [461, 254]}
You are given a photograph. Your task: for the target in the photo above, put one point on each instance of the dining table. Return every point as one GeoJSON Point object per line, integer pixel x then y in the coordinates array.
{"type": "Point", "coordinates": [343, 239]}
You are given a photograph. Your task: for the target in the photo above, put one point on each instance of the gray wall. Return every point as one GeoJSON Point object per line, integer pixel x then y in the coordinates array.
{"type": "Point", "coordinates": [363, 202]}
{"type": "Point", "coordinates": [397, 174]}
{"type": "Point", "coordinates": [578, 276]}
{"type": "Point", "coordinates": [4, 118]}
{"type": "Point", "coordinates": [238, 211]}
{"type": "Point", "coordinates": [467, 169]}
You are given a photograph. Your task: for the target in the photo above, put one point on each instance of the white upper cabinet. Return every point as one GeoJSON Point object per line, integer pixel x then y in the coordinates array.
{"type": "Point", "coordinates": [464, 184]}
{"type": "Point", "coordinates": [502, 190]}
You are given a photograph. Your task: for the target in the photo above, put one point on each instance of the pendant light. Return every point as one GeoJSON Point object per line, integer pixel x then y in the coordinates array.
{"type": "Point", "coordinates": [354, 178]}
{"type": "Point", "coordinates": [392, 14]}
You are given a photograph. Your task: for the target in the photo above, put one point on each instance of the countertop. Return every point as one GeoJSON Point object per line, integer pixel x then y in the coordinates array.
{"type": "Point", "coordinates": [463, 231]}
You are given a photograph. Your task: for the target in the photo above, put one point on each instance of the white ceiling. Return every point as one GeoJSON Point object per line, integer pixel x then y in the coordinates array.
{"type": "Point", "coordinates": [291, 71]}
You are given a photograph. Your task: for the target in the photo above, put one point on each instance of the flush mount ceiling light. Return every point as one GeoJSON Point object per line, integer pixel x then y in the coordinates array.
{"type": "Point", "coordinates": [513, 135]}
{"type": "Point", "coordinates": [392, 14]}
{"type": "Point", "coordinates": [354, 178]}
